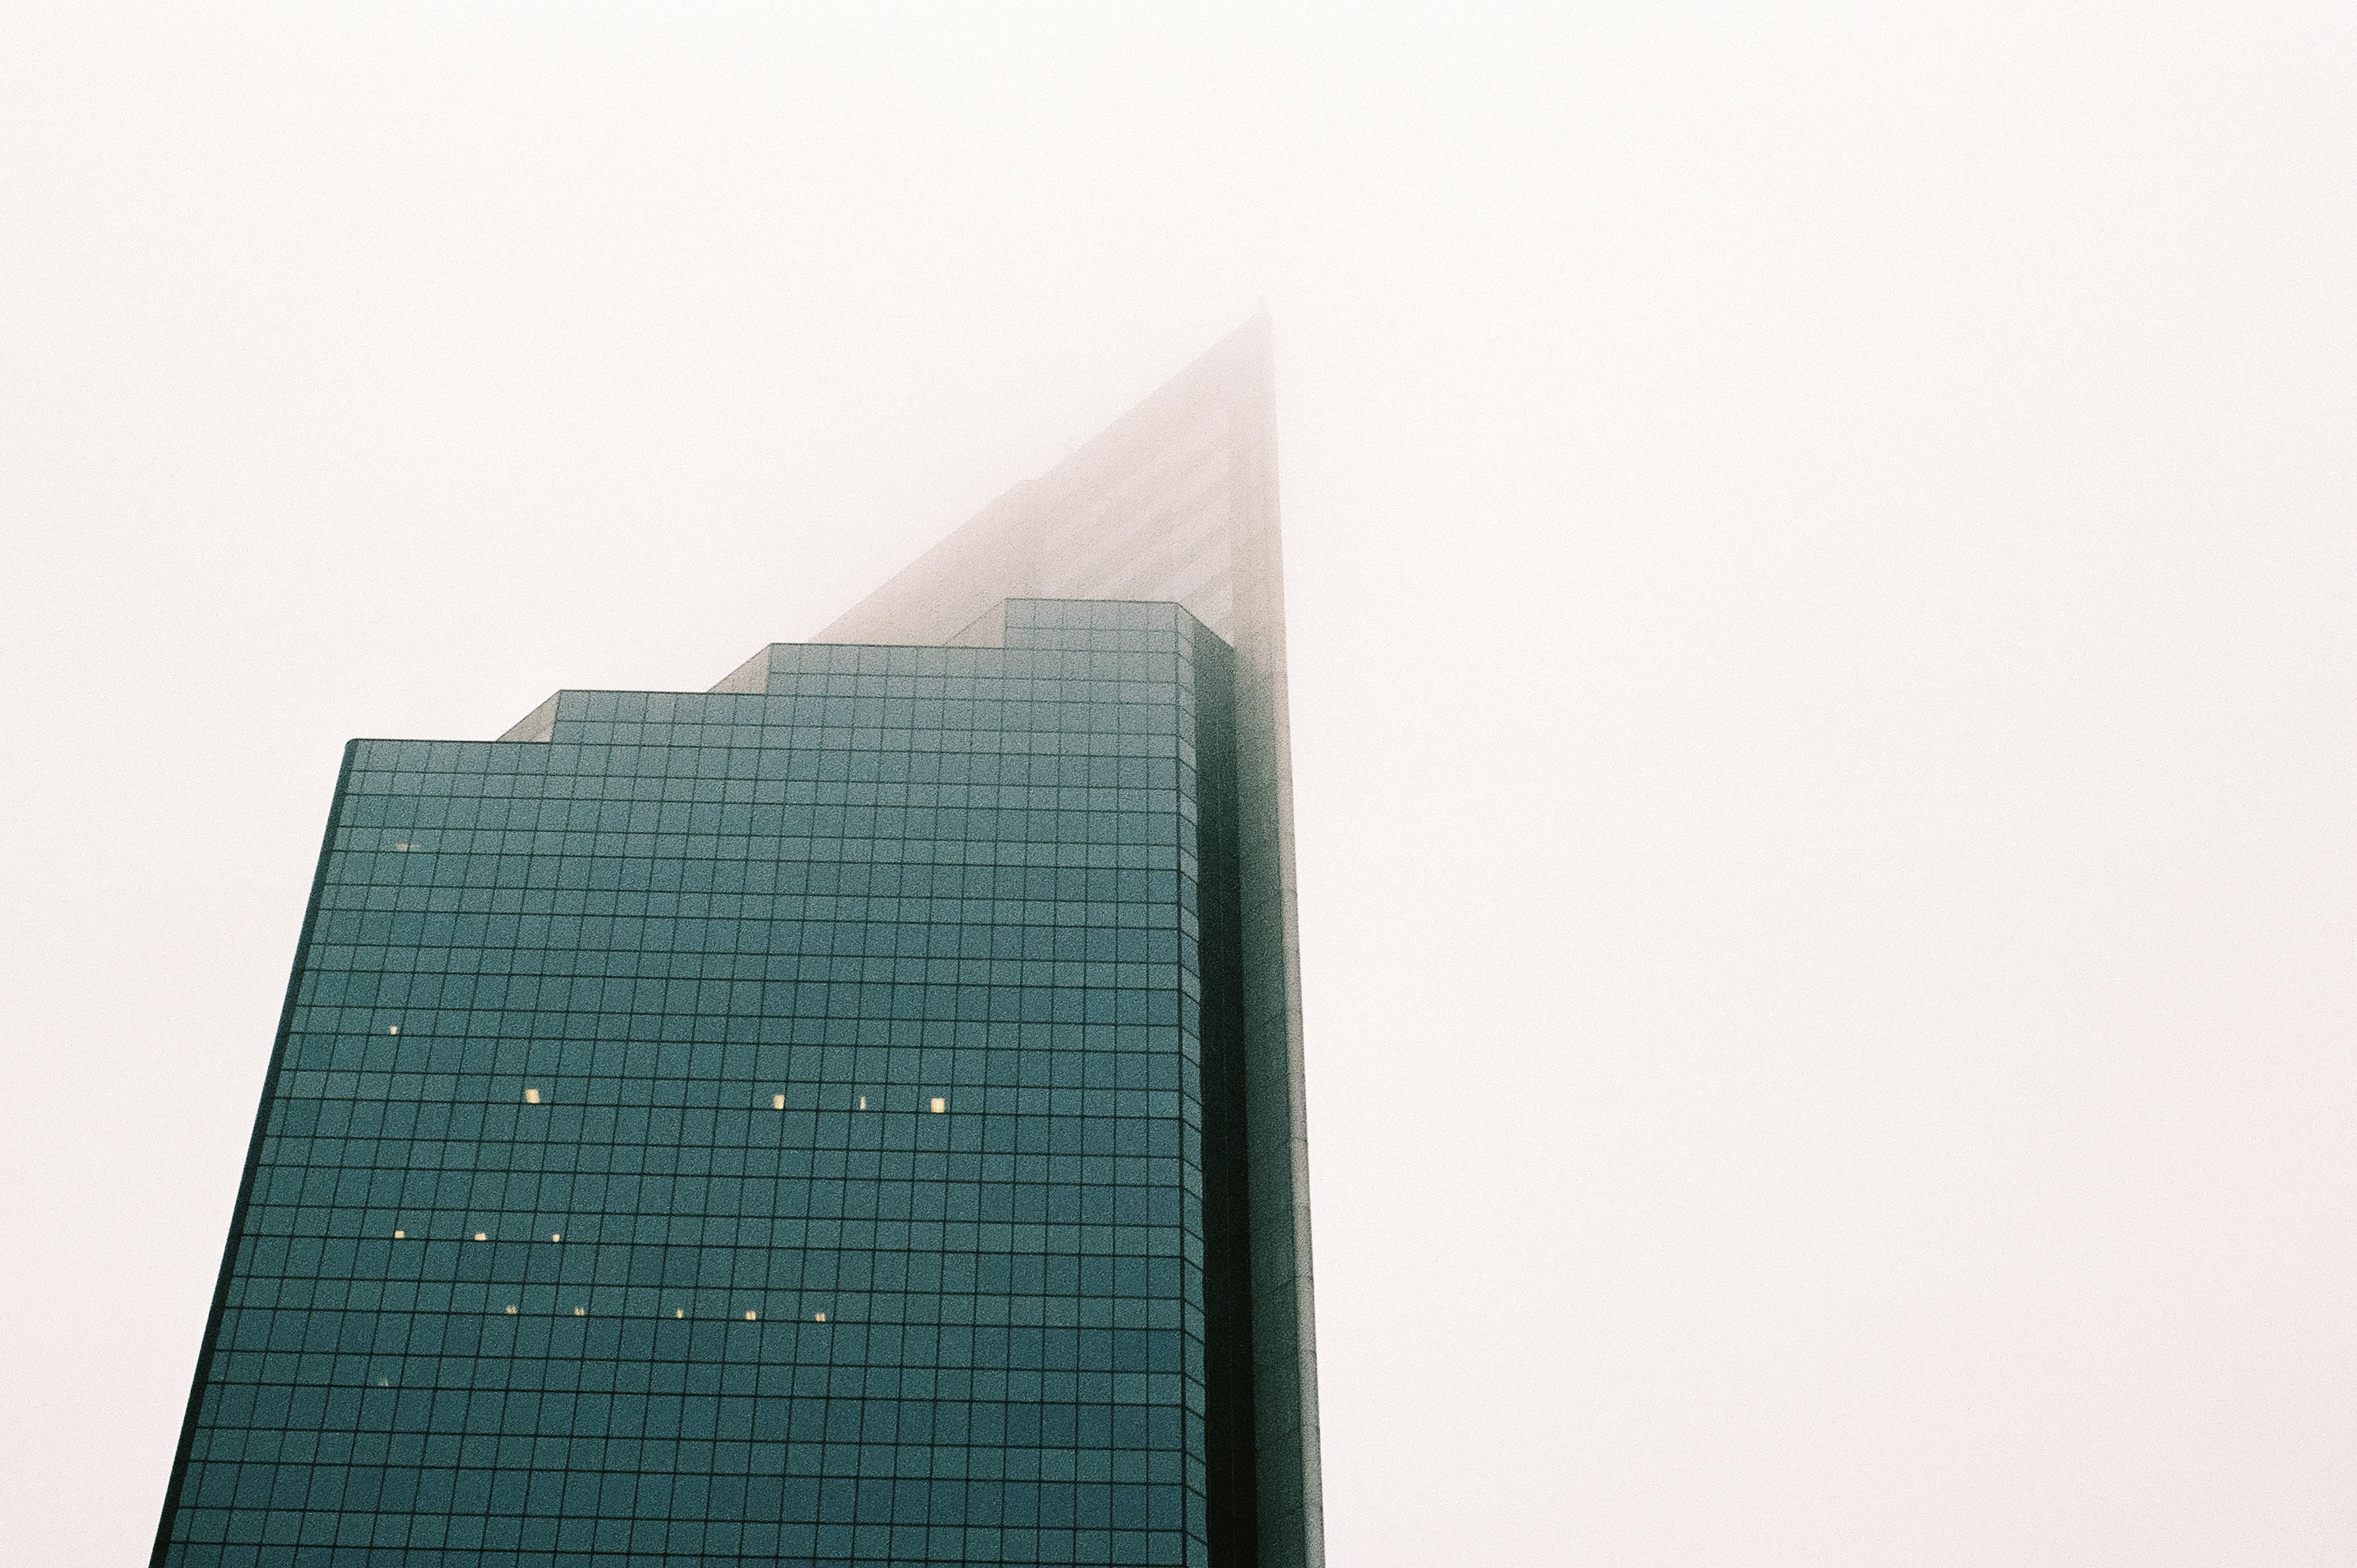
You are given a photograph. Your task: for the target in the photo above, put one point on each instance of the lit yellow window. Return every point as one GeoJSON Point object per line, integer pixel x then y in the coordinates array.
{"type": "Point", "coordinates": [580, 1312]}
{"type": "Point", "coordinates": [680, 1314]}
{"type": "Point", "coordinates": [556, 1235]}
{"type": "Point", "coordinates": [401, 1235]}
{"type": "Point", "coordinates": [480, 1236]}
{"type": "Point", "coordinates": [863, 1102]}
{"type": "Point", "coordinates": [821, 1317]}
{"type": "Point", "coordinates": [777, 1102]}
{"type": "Point", "coordinates": [395, 1029]}
{"type": "Point", "coordinates": [532, 1097]}
{"type": "Point", "coordinates": [939, 1105]}
{"type": "Point", "coordinates": [511, 1309]}
{"type": "Point", "coordinates": [748, 1317]}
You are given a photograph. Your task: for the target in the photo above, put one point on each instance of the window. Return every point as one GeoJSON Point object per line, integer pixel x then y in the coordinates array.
{"type": "Point", "coordinates": [992, 838]}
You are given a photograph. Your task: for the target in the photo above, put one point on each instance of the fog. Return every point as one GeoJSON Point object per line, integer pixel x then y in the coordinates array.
{"type": "Point", "coordinates": [1819, 550]}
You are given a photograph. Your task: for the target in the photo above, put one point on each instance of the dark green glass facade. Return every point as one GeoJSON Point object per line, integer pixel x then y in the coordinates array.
{"type": "Point", "coordinates": [798, 1125]}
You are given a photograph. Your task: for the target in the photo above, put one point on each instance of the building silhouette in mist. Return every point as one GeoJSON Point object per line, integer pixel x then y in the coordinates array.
{"type": "Point", "coordinates": [854, 1115]}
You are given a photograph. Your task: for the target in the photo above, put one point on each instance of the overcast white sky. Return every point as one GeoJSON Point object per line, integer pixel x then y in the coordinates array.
{"type": "Point", "coordinates": [1820, 551]}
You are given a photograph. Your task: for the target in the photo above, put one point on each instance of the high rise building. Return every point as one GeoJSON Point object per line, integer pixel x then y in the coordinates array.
{"type": "Point", "coordinates": [851, 1116]}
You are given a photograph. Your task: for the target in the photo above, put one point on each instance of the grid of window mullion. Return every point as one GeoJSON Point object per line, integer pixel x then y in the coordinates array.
{"type": "Point", "coordinates": [1078, 702]}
